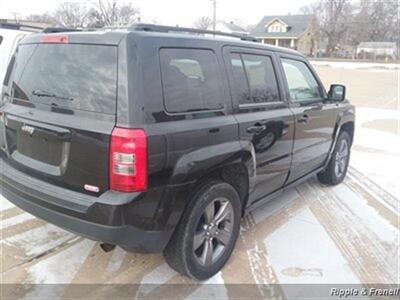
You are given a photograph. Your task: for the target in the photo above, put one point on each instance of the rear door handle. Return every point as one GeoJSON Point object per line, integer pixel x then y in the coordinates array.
{"type": "Point", "coordinates": [256, 129]}
{"type": "Point", "coordinates": [303, 119]}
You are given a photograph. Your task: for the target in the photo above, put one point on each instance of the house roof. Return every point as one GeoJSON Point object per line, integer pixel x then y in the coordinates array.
{"type": "Point", "coordinates": [233, 27]}
{"type": "Point", "coordinates": [297, 25]}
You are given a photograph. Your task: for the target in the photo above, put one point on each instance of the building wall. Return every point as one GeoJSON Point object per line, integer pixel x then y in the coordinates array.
{"type": "Point", "coordinates": [304, 43]}
{"type": "Point", "coordinates": [268, 41]}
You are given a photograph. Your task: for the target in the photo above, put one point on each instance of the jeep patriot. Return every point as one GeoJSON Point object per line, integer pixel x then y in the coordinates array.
{"type": "Point", "coordinates": [159, 139]}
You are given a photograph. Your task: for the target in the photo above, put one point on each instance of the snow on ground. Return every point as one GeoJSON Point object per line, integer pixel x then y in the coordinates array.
{"type": "Point", "coordinates": [4, 204]}
{"type": "Point", "coordinates": [32, 241]}
{"type": "Point", "coordinates": [355, 65]}
{"type": "Point", "coordinates": [15, 220]}
{"type": "Point", "coordinates": [50, 271]}
{"type": "Point", "coordinates": [377, 152]}
{"type": "Point", "coordinates": [296, 265]}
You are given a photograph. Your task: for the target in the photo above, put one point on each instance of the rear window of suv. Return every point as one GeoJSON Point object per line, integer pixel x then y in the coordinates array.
{"type": "Point", "coordinates": [76, 76]}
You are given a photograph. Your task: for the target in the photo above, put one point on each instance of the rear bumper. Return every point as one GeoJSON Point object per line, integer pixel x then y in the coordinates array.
{"type": "Point", "coordinates": [93, 217]}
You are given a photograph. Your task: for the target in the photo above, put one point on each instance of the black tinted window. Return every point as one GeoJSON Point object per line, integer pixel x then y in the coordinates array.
{"type": "Point", "coordinates": [261, 76]}
{"type": "Point", "coordinates": [76, 76]}
{"type": "Point", "coordinates": [254, 72]}
{"type": "Point", "coordinates": [241, 87]}
{"type": "Point", "coordinates": [191, 80]}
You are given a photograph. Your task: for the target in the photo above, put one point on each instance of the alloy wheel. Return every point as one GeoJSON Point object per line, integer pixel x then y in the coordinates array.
{"type": "Point", "coordinates": [341, 158]}
{"type": "Point", "coordinates": [213, 231]}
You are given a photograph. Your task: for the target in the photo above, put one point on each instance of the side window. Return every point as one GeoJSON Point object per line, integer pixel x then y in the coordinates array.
{"type": "Point", "coordinates": [262, 79]}
{"type": "Point", "coordinates": [301, 82]}
{"type": "Point", "coordinates": [255, 80]}
{"type": "Point", "coordinates": [191, 80]}
{"type": "Point", "coordinates": [241, 86]}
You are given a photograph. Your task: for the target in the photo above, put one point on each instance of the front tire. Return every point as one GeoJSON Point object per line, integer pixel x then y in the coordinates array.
{"type": "Point", "coordinates": [206, 235]}
{"type": "Point", "coordinates": [338, 163]}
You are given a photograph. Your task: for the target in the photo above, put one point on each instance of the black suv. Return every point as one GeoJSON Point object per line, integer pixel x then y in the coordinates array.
{"type": "Point", "coordinates": [155, 140]}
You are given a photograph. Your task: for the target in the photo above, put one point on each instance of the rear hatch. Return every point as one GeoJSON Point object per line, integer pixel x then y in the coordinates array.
{"type": "Point", "coordinates": [60, 111]}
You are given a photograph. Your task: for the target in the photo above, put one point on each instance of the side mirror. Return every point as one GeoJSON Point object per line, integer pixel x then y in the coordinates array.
{"type": "Point", "coordinates": [337, 92]}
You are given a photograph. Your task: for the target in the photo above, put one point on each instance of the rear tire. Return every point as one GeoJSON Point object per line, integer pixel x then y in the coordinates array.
{"type": "Point", "coordinates": [206, 235]}
{"type": "Point", "coordinates": [336, 170]}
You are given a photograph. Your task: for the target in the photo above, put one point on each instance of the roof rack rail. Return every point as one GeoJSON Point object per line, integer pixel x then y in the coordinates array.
{"type": "Point", "coordinates": [59, 29]}
{"type": "Point", "coordinates": [19, 26]}
{"type": "Point", "coordinates": [160, 28]}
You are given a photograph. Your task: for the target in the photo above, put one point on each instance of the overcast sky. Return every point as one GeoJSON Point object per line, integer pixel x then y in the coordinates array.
{"type": "Point", "coordinates": [173, 12]}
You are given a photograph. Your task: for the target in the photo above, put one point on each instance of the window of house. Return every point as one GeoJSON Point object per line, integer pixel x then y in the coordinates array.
{"type": "Point", "coordinates": [191, 80]}
{"type": "Point", "coordinates": [254, 79]}
{"type": "Point", "coordinates": [301, 82]}
{"type": "Point", "coordinates": [276, 27]}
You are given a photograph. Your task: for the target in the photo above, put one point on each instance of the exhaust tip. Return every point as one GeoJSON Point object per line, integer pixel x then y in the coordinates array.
{"type": "Point", "coordinates": [107, 247]}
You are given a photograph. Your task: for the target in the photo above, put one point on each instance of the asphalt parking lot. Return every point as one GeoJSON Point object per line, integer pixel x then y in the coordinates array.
{"type": "Point", "coordinates": [313, 234]}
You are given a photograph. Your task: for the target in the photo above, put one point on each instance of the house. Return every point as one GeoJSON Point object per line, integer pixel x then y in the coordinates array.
{"type": "Point", "coordinates": [230, 27]}
{"type": "Point", "coordinates": [377, 49]}
{"type": "Point", "coordinates": [291, 31]}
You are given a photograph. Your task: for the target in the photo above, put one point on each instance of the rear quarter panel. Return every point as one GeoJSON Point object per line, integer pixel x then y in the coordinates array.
{"type": "Point", "coordinates": [182, 147]}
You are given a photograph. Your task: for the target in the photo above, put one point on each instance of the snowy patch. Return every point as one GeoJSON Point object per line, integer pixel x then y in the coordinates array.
{"type": "Point", "coordinates": [21, 218]}
{"type": "Point", "coordinates": [160, 275]}
{"type": "Point", "coordinates": [116, 260]}
{"type": "Point", "coordinates": [211, 289]}
{"type": "Point", "coordinates": [379, 156]}
{"type": "Point", "coordinates": [370, 217]}
{"type": "Point", "coordinates": [61, 267]}
{"type": "Point", "coordinates": [5, 204]}
{"type": "Point", "coordinates": [57, 269]}
{"type": "Point", "coordinates": [273, 207]}
{"type": "Point", "coordinates": [355, 65]}
{"type": "Point", "coordinates": [39, 240]}
{"type": "Point", "coordinates": [302, 252]}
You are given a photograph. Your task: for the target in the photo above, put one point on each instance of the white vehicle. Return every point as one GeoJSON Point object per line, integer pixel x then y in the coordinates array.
{"type": "Point", "coordinates": [10, 35]}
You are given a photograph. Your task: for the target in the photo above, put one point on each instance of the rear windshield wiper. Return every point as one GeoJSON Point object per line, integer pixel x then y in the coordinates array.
{"type": "Point", "coordinates": [42, 93]}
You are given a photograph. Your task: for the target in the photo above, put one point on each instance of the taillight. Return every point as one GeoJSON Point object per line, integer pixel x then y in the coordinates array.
{"type": "Point", "coordinates": [54, 38]}
{"type": "Point", "coordinates": [128, 160]}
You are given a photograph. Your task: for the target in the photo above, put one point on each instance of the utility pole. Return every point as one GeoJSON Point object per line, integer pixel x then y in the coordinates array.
{"type": "Point", "coordinates": [214, 14]}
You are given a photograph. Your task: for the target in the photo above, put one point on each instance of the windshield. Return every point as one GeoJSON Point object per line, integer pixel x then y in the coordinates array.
{"type": "Point", "coordinates": [76, 76]}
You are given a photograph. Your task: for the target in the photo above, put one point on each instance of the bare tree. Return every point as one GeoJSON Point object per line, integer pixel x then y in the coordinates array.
{"type": "Point", "coordinates": [110, 13]}
{"type": "Point", "coordinates": [70, 14]}
{"type": "Point", "coordinates": [342, 22]}
{"type": "Point", "coordinates": [42, 18]}
{"type": "Point", "coordinates": [315, 28]}
{"type": "Point", "coordinates": [378, 20]}
{"type": "Point", "coordinates": [330, 22]}
{"type": "Point", "coordinates": [203, 23]}
{"type": "Point", "coordinates": [334, 17]}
